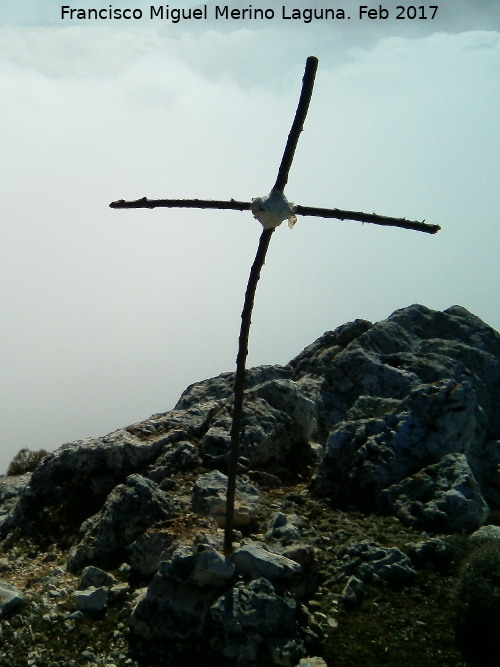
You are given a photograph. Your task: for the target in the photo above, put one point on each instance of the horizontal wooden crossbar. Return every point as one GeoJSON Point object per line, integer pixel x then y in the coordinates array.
{"type": "Point", "coordinates": [232, 204]}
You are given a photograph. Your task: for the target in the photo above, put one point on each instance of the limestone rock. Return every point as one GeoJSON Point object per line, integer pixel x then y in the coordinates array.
{"type": "Point", "coordinates": [97, 578]}
{"type": "Point", "coordinates": [253, 561]}
{"type": "Point", "coordinates": [400, 395]}
{"type": "Point", "coordinates": [129, 510]}
{"type": "Point", "coordinates": [312, 662]}
{"type": "Point", "coordinates": [148, 550]}
{"type": "Point", "coordinates": [399, 417]}
{"type": "Point", "coordinates": [254, 621]}
{"type": "Point", "coordinates": [220, 388]}
{"type": "Point", "coordinates": [10, 598]}
{"type": "Point", "coordinates": [284, 527]}
{"type": "Point", "coordinates": [443, 497]}
{"type": "Point", "coordinates": [76, 480]}
{"type": "Point", "coordinates": [279, 419]}
{"type": "Point", "coordinates": [209, 498]}
{"type": "Point", "coordinates": [92, 600]}
{"type": "Point", "coordinates": [202, 565]}
{"type": "Point", "coordinates": [367, 560]}
{"type": "Point", "coordinates": [363, 457]}
{"type": "Point", "coordinates": [433, 554]}
{"type": "Point", "coordinates": [486, 534]}
{"type": "Point", "coordinates": [382, 401]}
{"type": "Point", "coordinates": [172, 610]}
{"type": "Point", "coordinates": [11, 488]}
{"type": "Point", "coordinates": [178, 457]}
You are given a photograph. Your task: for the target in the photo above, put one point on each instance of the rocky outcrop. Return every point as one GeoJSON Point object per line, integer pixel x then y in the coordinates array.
{"type": "Point", "coordinates": [209, 498]}
{"type": "Point", "coordinates": [400, 398]}
{"type": "Point", "coordinates": [398, 418]}
{"type": "Point", "coordinates": [129, 510]}
{"type": "Point", "coordinates": [259, 625]}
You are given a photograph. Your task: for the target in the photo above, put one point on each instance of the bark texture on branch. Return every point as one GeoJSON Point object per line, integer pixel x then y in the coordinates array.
{"type": "Point", "coordinates": [314, 211]}
{"type": "Point", "coordinates": [298, 123]}
{"type": "Point", "coordinates": [239, 383]}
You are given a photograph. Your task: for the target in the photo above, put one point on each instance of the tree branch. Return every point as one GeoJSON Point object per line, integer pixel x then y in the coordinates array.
{"type": "Point", "coordinates": [233, 205]}
{"type": "Point", "coordinates": [372, 218]}
{"type": "Point", "coordinates": [239, 384]}
{"type": "Point", "coordinates": [298, 123]}
{"type": "Point", "coordinates": [182, 203]}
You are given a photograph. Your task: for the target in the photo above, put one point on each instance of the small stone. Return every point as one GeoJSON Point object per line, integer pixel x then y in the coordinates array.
{"type": "Point", "coordinates": [76, 616]}
{"type": "Point", "coordinates": [118, 591]}
{"type": "Point", "coordinates": [284, 527]}
{"type": "Point", "coordinates": [312, 662]}
{"type": "Point", "coordinates": [93, 576]}
{"type": "Point", "coordinates": [91, 600]}
{"type": "Point", "coordinates": [124, 569]}
{"type": "Point", "coordinates": [10, 598]}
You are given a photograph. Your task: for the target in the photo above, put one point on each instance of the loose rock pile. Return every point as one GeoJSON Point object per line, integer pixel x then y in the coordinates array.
{"type": "Point", "coordinates": [399, 418]}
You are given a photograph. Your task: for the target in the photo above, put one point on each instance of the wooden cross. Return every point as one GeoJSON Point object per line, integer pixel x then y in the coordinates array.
{"type": "Point", "coordinates": [270, 211]}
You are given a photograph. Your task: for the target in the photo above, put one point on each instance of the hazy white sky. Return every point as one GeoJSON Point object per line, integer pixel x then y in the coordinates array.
{"type": "Point", "coordinates": [106, 315]}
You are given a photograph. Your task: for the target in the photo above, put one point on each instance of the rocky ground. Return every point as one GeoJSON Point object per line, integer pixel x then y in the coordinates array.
{"type": "Point", "coordinates": [365, 517]}
{"type": "Point", "coordinates": [405, 618]}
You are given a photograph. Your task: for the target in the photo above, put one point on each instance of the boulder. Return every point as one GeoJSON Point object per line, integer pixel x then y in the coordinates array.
{"type": "Point", "coordinates": [279, 419]}
{"type": "Point", "coordinates": [11, 487]}
{"type": "Point", "coordinates": [312, 662]}
{"type": "Point", "coordinates": [91, 600]}
{"type": "Point", "coordinates": [97, 578]}
{"type": "Point", "coordinates": [177, 458]}
{"type": "Point", "coordinates": [367, 405]}
{"type": "Point", "coordinates": [202, 565]}
{"type": "Point", "coordinates": [365, 456]}
{"type": "Point", "coordinates": [284, 527]}
{"type": "Point", "coordinates": [72, 485]}
{"type": "Point", "coordinates": [172, 610]}
{"type": "Point", "coordinates": [378, 456]}
{"type": "Point", "coordinates": [220, 388]}
{"type": "Point", "coordinates": [129, 510]}
{"type": "Point", "coordinates": [367, 560]}
{"type": "Point", "coordinates": [257, 625]}
{"type": "Point", "coordinates": [147, 551]}
{"type": "Point", "coordinates": [486, 534]}
{"type": "Point", "coordinates": [432, 554]}
{"type": "Point", "coordinates": [11, 598]}
{"type": "Point", "coordinates": [443, 497]}
{"type": "Point", "coordinates": [254, 561]}
{"type": "Point", "coordinates": [209, 498]}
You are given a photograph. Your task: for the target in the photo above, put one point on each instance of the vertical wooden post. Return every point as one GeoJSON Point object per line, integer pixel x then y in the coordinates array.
{"type": "Point", "coordinates": [246, 315]}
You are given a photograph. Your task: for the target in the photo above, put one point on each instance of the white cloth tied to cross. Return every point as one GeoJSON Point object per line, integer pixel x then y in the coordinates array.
{"type": "Point", "coordinates": [271, 210]}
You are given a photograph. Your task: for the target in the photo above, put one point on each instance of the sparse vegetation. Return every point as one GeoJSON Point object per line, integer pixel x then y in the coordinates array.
{"type": "Point", "coordinates": [26, 460]}
{"type": "Point", "coordinates": [477, 604]}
